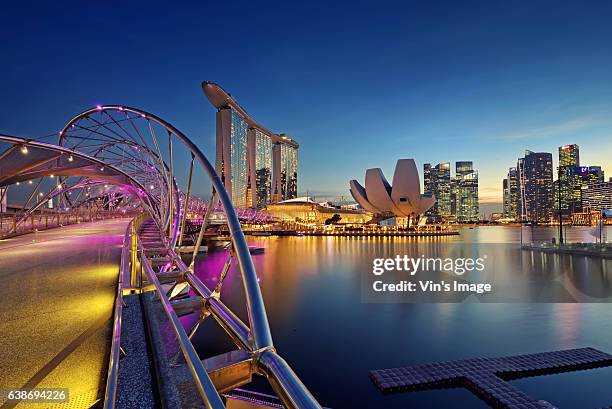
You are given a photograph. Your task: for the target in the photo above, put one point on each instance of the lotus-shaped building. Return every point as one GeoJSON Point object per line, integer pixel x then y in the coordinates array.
{"type": "Point", "coordinates": [403, 199]}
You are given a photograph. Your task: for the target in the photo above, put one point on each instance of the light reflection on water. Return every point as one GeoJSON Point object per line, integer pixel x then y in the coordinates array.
{"type": "Point", "coordinates": [312, 290]}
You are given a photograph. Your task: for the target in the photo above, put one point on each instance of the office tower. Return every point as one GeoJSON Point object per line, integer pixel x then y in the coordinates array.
{"type": "Point", "coordinates": [506, 198]}
{"type": "Point", "coordinates": [567, 187]}
{"type": "Point", "coordinates": [536, 182]}
{"type": "Point", "coordinates": [257, 166]}
{"type": "Point", "coordinates": [512, 195]}
{"type": "Point", "coordinates": [465, 193]}
{"type": "Point", "coordinates": [427, 178]}
{"type": "Point", "coordinates": [597, 196]}
{"type": "Point", "coordinates": [440, 186]}
{"type": "Point", "coordinates": [573, 180]}
{"type": "Point", "coordinates": [569, 155]}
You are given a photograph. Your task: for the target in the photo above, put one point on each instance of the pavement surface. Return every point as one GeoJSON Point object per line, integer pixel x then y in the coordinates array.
{"type": "Point", "coordinates": [57, 291]}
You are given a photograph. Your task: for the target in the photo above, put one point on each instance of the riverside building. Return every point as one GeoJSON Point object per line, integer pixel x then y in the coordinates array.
{"type": "Point", "coordinates": [258, 167]}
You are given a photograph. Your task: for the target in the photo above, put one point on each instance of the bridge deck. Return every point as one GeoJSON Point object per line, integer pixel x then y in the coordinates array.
{"type": "Point", "coordinates": [57, 290]}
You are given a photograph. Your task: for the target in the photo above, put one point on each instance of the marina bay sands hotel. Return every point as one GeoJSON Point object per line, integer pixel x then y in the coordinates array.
{"type": "Point", "coordinates": [257, 166]}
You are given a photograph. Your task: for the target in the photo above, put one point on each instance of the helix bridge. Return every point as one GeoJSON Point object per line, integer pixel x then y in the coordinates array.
{"type": "Point", "coordinates": [114, 161]}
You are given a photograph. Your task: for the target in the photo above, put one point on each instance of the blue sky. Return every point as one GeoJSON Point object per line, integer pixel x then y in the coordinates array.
{"type": "Point", "coordinates": [358, 84]}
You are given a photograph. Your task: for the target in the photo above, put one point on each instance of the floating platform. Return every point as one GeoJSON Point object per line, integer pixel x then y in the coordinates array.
{"type": "Point", "coordinates": [579, 249]}
{"type": "Point", "coordinates": [487, 377]}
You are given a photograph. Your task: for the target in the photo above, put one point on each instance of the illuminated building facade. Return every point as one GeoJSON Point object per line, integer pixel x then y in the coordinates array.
{"type": "Point", "coordinates": [465, 192]}
{"type": "Point", "coordinates": [439, 186]}
{"type": "Point", "coordinates": [568, 199]}
{"type": "Point", "coordinates": [456, 197]}
{"type": "Point", "coordinates": [536, 186]}
{"type": "Point", "coordinates": [231, 158]}
{"type": "Point", "coordinates": [257, 166]}
{"type": "Point", "coordinates": [512, 200]}
{"type": "Point", "coordinates": [262, 166]}
{"type": "Point", "coordinates": [572, 179]}
{"type": "Point", "coordinates": [597, 197]}
{"type": "Point", "coordinates": [285, 172]}
{"type": "Point", "coordinates": [304, 210]}
{"type": "Point", "coordinates": [569, 155]}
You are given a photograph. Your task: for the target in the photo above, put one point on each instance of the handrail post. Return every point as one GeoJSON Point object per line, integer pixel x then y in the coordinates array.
{"type": "Point", "coordinates": [134, 255]}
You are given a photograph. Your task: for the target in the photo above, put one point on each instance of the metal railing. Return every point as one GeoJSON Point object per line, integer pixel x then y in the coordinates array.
{"type": "Point", "coordinates": [266, 362]}
{"type": "Point", "coordinates": [10, 224]}
{"type": "Point", "coordinates": [206, 388]}
{"type": "Point", "coordinates": [110, 396]}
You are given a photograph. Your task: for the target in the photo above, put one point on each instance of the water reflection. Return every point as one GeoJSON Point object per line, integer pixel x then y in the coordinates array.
{"type": "Point", "coordinates": [312, 290]}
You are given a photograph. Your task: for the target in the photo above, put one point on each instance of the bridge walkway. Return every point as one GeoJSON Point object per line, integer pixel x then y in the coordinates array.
{"type": "Point", "coordinates": [58, 289]}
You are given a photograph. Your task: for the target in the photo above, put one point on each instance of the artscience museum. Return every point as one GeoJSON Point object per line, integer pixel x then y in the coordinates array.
{"type": "Point", "coordinates": [402, 199]}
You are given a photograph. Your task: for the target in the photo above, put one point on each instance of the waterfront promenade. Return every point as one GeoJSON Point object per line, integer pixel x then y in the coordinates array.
{"type": "Point", "coordinates": [58, 292]}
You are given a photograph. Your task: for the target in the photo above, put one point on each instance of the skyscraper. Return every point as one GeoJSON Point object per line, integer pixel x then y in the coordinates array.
{"type": "Point", "coordinates": [440, 186]}
{"type": "Point", "coordinates": [512, 195]}
{"type": "Point", "coordinates": [597, 196]}
{"type": "Point", "coordinates": [261, 163]}
{"type": "Point", "coordinates": [568, 199]}
{"type": "Point", "coordinates": [536, 182]}
{"type": "Point", "coordinates": [285, 172]}
{"type": "Point", "coordinates": [506, 198]}
{"type": "Point", "coordinates": [466, 192]}
{"type": "Point", "coordinates": [231, 162]}
{"type": "Point", "coordinates": [573, 180]}
{"type": "Point", "coordinates": [427, 179]}
{"type": "Point", "coordinates": [569, 155]}
{"type": "Point", "coordinates": [256, 166]}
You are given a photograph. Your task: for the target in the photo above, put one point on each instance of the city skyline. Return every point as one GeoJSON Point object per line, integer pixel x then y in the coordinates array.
{"type": "Point", "coordinates": [347, 97]}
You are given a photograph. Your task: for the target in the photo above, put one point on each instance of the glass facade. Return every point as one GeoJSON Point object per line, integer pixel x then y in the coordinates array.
{"type": "Point", "coordinates": [288, 171]}
{"type": "Point", "coordinates": [465, 193]}
{"type": "Point", "coordinates": [571, 179]}
{"type": "Point", "coordinates": [597, 197]}
{"type": "Point", "coordinates": [263, 169]}
{"type": "Point", "coordinates": [569, 155]}
{"type": "Point", "coordinates": [512, 195]}
{"type": "Point", "coordinates": [536, 180]}
{"type": "Point", "coordinates": [438, 183]}
{"type": "Point", "coordinates": [238, 160]}
{"type": "Point", "coordinates": [567, 188]}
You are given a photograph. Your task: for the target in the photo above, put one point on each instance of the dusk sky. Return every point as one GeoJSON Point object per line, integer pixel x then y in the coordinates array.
{"type": "Point", "coordinates": [357, 84]}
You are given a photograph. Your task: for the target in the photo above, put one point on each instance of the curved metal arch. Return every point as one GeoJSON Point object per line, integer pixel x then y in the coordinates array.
{"type": "Point", "coordinates": [164, 205]}
{"type": "Point", "coordinates": [169, 211]}
{"type": "Point", "coordinates": [258, 320]}
{"type": "Point", "coordinates": [110, 170]}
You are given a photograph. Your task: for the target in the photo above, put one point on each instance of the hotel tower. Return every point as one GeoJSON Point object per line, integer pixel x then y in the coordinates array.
{"type": "Point", "coordinates": [257, 166]}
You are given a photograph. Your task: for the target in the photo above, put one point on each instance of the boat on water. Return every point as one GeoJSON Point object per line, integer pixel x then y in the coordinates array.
{"type": "Point", "coordinates": [256, 250]}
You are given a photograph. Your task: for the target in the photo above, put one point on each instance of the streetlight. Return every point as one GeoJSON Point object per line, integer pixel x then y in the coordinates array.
{"type": "Point", "coordinates": [24, 149]}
